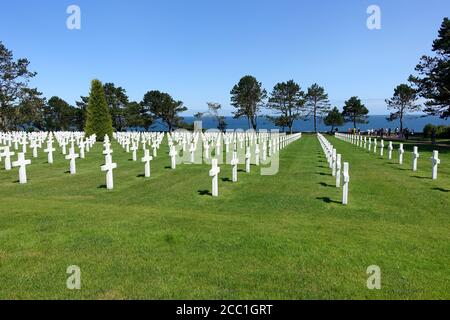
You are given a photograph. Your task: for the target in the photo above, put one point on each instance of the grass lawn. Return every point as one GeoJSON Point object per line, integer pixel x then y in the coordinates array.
{"type": "Point", "coordinates": [283, 237]}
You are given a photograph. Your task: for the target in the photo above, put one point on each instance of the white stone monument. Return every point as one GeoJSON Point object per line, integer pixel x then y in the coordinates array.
{"type": "Point", "coordinates": [7, 154]}
{"type": "Point", "coordinates": [109, 166]}
{"type": "Point", "coordinates": [214, 173]}
{"type": "Point", "coordinates": [72, 156]}
{"type": "Point", "coordinates": [234, 163]}
{"type": "Point", "coordinates": [415, 158]}
{"type": "Point", "coordinates": [146, 159]}
{"type": "Point", "coordinates": [346, 180]}
{"type": "Point", "coordinates": [22, 164]}
{"type": "Point", "coordinates": [401, 151]}
{"type": "Point", "coordinates": [435, 161]}
{"type": "Point", "coordinates": [338, 170]}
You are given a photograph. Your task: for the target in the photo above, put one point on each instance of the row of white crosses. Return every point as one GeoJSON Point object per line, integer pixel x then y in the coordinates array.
{"type": "Point", "coordinates": [362, 142]}
{"type": "Point", "coordinates": [334, 162]}
{"type": "Point", "coordinates": [133, 139]}
{"type": "Point", "coordinates": [36, 140]}
{"type": "Point", "coordinates": [215, 169]}
{"type": "Point", "coordinates": [109, 166]}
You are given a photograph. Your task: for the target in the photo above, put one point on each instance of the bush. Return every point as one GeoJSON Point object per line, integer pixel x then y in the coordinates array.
{"type": "Point", "coordinates": [427, 130]}
{"type": "Point", "coordinates": [441, 131]}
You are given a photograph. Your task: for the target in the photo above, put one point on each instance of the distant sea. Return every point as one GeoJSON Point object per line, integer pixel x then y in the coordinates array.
{"type": "Point", "coordinates": [412, 122]}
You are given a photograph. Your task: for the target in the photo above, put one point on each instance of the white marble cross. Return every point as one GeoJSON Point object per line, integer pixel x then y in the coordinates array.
{"type": "Point", "coordinates": [375, 145]}
{"type": "Point", "coordinates": [346, 180]}
{"type": "Point", "coordinates": [401, 151]}
{"type": "Point", "coordinates": [155, 148]}
{"type": "Point", "coordinates": [206, 146]}
{"type": "Point", "coordinates": [173, 153]}
{"type": "Point", "coordinates": [382, 148]}
{"type": "Point", "coordinates": [34, 145]}
{"type": "Point", "coordinates": [49, 151]}
{"type": "Point", "coordinates": [234, 162]}
{"type": "Point", "coordinates": [24, 144]}
{"type": "Point", "coordinates": [338, 170]}
{"type": "Point", "coordinates": [7, 154]}
{"type": "Point", "coordinates": [214, 173]}
{"type": "Point", "coordinates": [22, 163]}
{"type": "Point", "coordinates": [134, 148]}
{"type": "Point", "coordinates": [81, 146]}
{"type": "Point", "coordinates": [435, 161]}
{"type": "Point", "coordinates": [107, 151]}
{"type": "Point", "coordinates": [390, 148]}
{"type": "Point", "coordinates": [248, 155]}
{"type": "Point", "coordinates": [415, 158]}
{"type": "Point", "coordinates": [72, 156]}
{"type": "Point", "coordinates": [264, 151]}
{"type": "Point", "coordinates": [257, 154]}
{"type": "Point", "coordinates": [108, 167]}
{"type": "Point", "coordinates": [147, 158]}
{"type": "Point", "coordinates": [63, 146]}
{"type": "Point", "coordinates": [370, 144]}
{"type": "Point", "coordinates": [192, 152]}
{"type": "Point", "coordinates": [333, 164]}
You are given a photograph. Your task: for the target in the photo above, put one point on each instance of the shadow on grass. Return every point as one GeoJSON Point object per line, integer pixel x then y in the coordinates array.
{"type": "Point", "coordinates": [141, 175]}
{"type": "Point", "coordinates": [323, 173]}
{"type": "Point", "coordinates": [419, 177]}
{"type": "Point", "coordinates": [226, 179]}
{"type": "Point", "coordinates": [440, 189]}
{"type": "Point", "coordinates": [204, 193]}
{"type": "Point", "coordinates": [103, 186]}
{"type": "Point", "coordinates": [323, 184]}
{"type": "Point", "coordinates": [167, 167]}
{"type": "Point", "coordinates": [327, 200]}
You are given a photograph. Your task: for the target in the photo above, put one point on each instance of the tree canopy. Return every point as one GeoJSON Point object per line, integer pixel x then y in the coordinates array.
{"type": "Point", "coordinates": [287, 100]}
{"type": "Point", "coordinates": [433, 80]}
{"type": "Point", "coordinates": [355, 111]}
{"type": "Point", "coordinates": [317, 104]}
{"type": "Point", "coordinates": [334, 119]}
{"type": "Point", "coordinates": [402, 102]}
{"type": "Point", "coordinates": [14, 79]}
{"type": "Point", "coordinates": [248, 97]}
{"type": "Point", "coordinates": [160, 105]}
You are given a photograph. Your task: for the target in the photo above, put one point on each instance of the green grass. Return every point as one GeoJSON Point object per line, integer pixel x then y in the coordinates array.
{"type": "Point", "coordinates": [283, 237]}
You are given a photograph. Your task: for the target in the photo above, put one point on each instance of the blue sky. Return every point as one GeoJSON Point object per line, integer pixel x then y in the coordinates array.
{"type": "Point", "coordinates": [197, 50]}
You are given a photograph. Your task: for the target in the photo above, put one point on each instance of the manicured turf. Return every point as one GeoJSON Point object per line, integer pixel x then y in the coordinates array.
{"type": "Point", "coordinates": [283, 236]}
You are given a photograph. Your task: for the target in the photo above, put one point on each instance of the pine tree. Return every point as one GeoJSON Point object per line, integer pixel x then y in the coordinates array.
{"type": "Point", "coordinates": [98, 118]}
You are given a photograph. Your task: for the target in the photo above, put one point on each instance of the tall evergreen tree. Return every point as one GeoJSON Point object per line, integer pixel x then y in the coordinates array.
{"type": "Point", "coordinates": [317, 104]}
{"type": "Point", "coordinates": [248, 96]}
{"type": "Point", "coordinates": [402, 103]}
{"type": "Point", "coordinates": [355, 111]}
{"type": "Point", "coordinates": [433, 82]}
{"type": "Point", "coordinates": [98, 118]}
{"type": "Point", "coordinates": [287, 99]}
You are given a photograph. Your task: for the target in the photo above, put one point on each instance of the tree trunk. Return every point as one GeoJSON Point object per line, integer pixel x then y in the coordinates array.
{"type": "Point", "coordinates": [401, 124]}
{"type": "Point", "coordinates": [315, 122]}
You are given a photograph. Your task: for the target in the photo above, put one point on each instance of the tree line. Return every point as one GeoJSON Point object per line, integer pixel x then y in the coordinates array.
{"type": "Point", "coordinates": [23, 107]}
